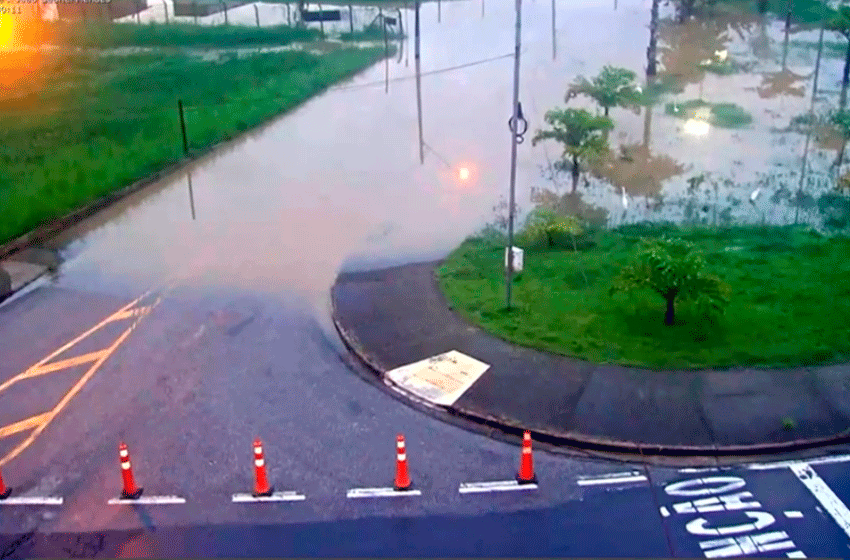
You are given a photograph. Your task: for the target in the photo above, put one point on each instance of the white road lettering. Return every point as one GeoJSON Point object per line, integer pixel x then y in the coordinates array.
{"type": "Point", "coordinates": [732, 502]}
{"type": "Point", "coordinates": [742, 546]}
{"type": "Point", "coordinates": [727, 484]}
{"type": "Point", "coordinates": [698, 525]}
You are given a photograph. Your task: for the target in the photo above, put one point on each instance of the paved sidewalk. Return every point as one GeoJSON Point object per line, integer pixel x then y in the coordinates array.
{"type": "Point", "coordinates": [397, 316]}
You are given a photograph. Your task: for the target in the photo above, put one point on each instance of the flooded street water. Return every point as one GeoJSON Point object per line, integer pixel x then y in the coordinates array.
{"type": "Point", "coordinates": [338, 182]}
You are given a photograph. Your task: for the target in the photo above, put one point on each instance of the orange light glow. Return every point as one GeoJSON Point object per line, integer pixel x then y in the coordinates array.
{"type": "Point", "coordinates": [465, 173]}
{"type": "Point", "coordinates": [21, 36]}
{"type": "Point", "coordinates": [7, 30]}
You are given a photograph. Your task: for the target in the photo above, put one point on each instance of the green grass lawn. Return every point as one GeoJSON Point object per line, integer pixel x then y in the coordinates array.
{"type": "Point", "coordinates": [790, 300]}
{"type": "Point", "coordinates": [103, 35]}
{"type": "Point", "coordinates": [97, 123]}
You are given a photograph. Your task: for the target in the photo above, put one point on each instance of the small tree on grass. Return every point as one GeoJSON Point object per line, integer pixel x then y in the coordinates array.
{"type": "Point", "coordinates": [581, 134]}
{"type": "Point", "coordinates": [613, 87]}
{"type": "Point", "coordinates": [673, 269]}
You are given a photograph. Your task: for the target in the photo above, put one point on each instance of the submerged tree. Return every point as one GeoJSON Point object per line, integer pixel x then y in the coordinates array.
{"type": "Point", "coordinates": [613, 87]}
{"type": "Point", "coordinates": [687, 8]}
{"type": "Point", "coordinates": [672, 268]}
{"type": "Point", "coordinates": [581, 135]}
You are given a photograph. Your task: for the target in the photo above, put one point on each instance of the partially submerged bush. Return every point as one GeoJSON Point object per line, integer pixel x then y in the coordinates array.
{"type": "Point", "coordinates": [546, 229]}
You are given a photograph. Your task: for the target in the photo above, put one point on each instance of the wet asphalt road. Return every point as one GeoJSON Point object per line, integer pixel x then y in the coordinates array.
{"type": "Point", "coordinates": [202, 374]}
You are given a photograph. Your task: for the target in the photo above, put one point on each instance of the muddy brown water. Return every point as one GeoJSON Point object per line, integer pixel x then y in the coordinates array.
{"type": "Point", "coordinates": [338, 183]}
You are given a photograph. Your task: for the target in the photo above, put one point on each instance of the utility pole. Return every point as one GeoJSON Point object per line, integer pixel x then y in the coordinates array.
{"type": "Point", "coordinates": [418, 80]}
{"type": "Point", "coordinates": [554, 44]}
{"type": "Point", "coordinates": [386, 52]}
{"type": "Point", "coordinates": [514, 125]}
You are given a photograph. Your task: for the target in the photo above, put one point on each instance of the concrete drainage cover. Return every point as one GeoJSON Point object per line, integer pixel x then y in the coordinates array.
{"type": "Point", "coordinates": [441, 379]}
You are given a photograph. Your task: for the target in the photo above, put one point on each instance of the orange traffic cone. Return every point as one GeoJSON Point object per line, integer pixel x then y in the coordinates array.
{"type": "Point", "coordinates": [4, 492]}
{"type": "Point", "coordinates": [526, 465]}
{"type": "Point", "coordinates": [402, 477]}
{"type": "Point", "coordinates": [261, 484]}
{"type": "Point", "coordinates": [130, 491]}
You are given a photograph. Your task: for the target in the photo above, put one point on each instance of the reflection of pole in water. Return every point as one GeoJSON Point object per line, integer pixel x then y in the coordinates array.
{"type": "Point", "coordinates": [554, 45]}
{"type": "Point", "coordinates": [407, 50]}
{"type": "Point", "coordinates": [191, 195]}
{"type": "Point", "coordinates": [416, 61]}
{"type": "Point", "coordinates": [817, 64]}
{"type": "Point", "coordinates": [787, 28]}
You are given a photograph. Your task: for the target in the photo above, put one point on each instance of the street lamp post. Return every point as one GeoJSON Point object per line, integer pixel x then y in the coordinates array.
{"type": "Point", "coordinates": [516, 138]}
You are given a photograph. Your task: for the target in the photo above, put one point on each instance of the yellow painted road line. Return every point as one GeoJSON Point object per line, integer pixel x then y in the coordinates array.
{"type": "Point", "coordinates": [63, 364]}
{"type": "Point", "coordinates": [49, 416]}
{"type": "Point", "coordinates": [70, 344]}
{"type": "Point", "coordinates": [130, 313]}
{"type": "Point", "coordinates": [23, 425]}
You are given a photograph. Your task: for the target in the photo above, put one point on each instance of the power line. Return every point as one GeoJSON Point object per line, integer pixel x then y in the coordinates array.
{"type": "Point", "coordinates": [130, 110]}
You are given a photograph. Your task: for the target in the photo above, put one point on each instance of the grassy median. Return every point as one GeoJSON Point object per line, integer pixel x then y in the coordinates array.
{"type": "Point", "coordinates": [95, 123]}
{"type": "Point", "coordinates": [790, 301]}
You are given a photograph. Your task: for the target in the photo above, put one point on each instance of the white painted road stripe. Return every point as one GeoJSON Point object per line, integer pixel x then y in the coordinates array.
{"type": "Point", "coordinates": [664, 512]}
{"type": "Point", "coordinates": [796, 554]}
{"type": "Point", "coordinates": [785, 464]}
{"type": "Point", "coordinates": [822, 493]}
{"type": "Point", "coordinates": [588, 482]}
{"type": "Point", "coordinates": [32, 501]}
{"type": "Point", "coordinates": [495, 486]}
{"type": "Point", "coordinates": [609, 475]}
{"type": "Point", "coordinates": [794, 514]}
{"type": "Point", "coordinates": [275, 497]}
{"type": "Point", "coordinates": [380, 493]}
{"type": "Point", "coordinates": [151, 500]}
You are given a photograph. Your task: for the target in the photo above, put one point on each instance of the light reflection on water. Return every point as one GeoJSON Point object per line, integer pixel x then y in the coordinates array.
{"type": "Point", "coordinates": [338, 181]}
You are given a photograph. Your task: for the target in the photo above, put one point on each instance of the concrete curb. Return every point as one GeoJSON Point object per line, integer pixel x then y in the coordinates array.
{"type": "Point", "coordinates": [580, 441]}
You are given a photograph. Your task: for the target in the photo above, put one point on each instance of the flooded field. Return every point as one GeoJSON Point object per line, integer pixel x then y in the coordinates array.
{"type": "Point", "coordinates": [338, 183]}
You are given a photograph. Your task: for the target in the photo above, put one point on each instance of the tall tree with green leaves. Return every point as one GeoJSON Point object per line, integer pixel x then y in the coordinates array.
{"type": "Point", "coordinates": [840, 22]}
{"type": "Point", "coordinates": [673, 269]}
{"type": "Point", "coordinates": [581, 135]}
{"type": "Point", "coordinates": [613, 87]}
